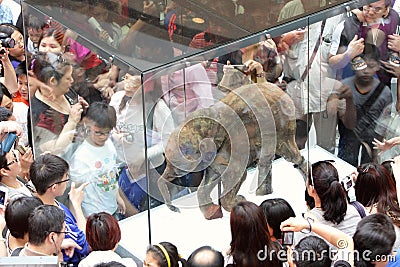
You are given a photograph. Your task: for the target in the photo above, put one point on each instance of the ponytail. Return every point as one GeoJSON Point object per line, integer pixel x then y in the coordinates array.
{"type": "Point", "coordinates": [330, 191]}
{"type": "Point", "coordinates": [334, 203]}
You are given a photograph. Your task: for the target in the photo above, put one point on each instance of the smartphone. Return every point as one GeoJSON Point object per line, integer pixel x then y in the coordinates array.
{"type": "Point", "coordinates": [8, 142]}
{"type": "Point", "coordinates": [3, 196]}
{"type": "Point", "coordinates": [287, 238]}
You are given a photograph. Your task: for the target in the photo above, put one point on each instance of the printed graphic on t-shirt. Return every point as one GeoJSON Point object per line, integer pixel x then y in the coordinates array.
{"type": "Point", "coordinates": [105, 179]}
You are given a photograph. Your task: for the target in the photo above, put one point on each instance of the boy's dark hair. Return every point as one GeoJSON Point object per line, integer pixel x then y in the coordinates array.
{"type": "Point", "coordinates": [110, 264]}
{"type": "Point", "coordinates": [102, 114]}
{"type": "Point", "coordinates": [42, 221]}
{"type": "Point", "coordinates": [35, 23]}
{"type": "Point", "coordinates": [46, 170]}
{"type": "Point", "coordinates": [206, 256]}
{"type": "Point", "coordinates": [375, 233]}
{"type": "Point", "coordinates": [5, 114]}
{"type": "Point", "coordinates": [21, 69]}
{"type": "Point", "coordinates": [370, 52]}
{"type": "Point", "coordinates": [312, 251]}
{"type": "Point", "coordinates": [17, 214]}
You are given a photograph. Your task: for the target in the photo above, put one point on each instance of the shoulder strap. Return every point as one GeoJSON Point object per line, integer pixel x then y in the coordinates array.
{"type": "Point", "coordinates": [359, 208]}
{"type": "Point", "coordinates": [314, 52]}
{"type": "Point", "coordinates": [16, 252]}
{"type": "Point", "coordinates": [372, 98]}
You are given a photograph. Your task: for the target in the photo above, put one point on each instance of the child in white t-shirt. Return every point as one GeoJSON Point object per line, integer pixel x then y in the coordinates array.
{"type": "Point", "coordinates": [94, 161]}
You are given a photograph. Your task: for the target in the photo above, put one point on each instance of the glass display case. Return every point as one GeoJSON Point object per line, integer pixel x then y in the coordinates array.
{"type": "Point", "coordinates": [199, 100]}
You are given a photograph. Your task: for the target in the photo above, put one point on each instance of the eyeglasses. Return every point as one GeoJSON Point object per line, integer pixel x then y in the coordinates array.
{"type": "Point", "coordinates": [376, 10]}
{"type": "Point", "coordinates": [14, 161]}
{"type": "Point", "coordinates": [99, 133]}
{"type": "Point", "coordinates": [60, 232]}
{"type": "Point", "coordinates": [59, 182]}
{"type": "Point", "coordinates": [314, 165]}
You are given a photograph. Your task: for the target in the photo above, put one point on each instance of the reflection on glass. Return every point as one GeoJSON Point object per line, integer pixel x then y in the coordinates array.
{"type": "Point", "coordinates": [120, 27]}
{"type": "Point", "coordinates": [295, 8]}
{"type": "Point", "coordinates": [54, 119]}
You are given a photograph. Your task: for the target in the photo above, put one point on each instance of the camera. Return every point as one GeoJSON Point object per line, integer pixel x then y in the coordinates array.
{"type": "Point", "coordinates": [287, 238]}
{"type": "Point", "coordinates": [347, 183]}
{"type": "Point", "coordinates": [3, 196]}
{"type": "Point", "coordinates": [8, 142]}
{"type": "Point", "coordinates": [21, 149]}
{"type": "Point", "coordinates": [6, 41]}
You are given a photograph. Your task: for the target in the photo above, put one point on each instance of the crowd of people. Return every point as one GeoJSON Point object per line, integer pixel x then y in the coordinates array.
{"type": "Point", "coordinates": [92, 134]}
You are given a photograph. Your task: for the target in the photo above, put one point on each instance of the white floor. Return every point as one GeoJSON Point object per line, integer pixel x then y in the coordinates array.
{"type": "Point", "coordinates": [188, 230]}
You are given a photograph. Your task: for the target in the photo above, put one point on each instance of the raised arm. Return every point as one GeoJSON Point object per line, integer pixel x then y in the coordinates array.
{"type": "Point", "coordinates": [10, 78]}
{"type": "Point", "coordinates": [337, 238]}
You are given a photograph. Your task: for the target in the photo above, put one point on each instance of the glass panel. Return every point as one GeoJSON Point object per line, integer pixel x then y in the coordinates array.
{"type": "Point", "coordinates": [167, 75]}
{"type": "Point", "coordinates": [363, 94]}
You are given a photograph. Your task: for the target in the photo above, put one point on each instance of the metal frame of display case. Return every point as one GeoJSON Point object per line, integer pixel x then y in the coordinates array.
{"type": "Point", "coordinates": [218, 50]}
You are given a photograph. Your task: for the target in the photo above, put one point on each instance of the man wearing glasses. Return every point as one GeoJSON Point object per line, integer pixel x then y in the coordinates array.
{"type": "Point", "coordinates": [9, 170]}
{"type": "Point", "coordinates": [47, 230]}
{"type": "Point", "coordinates": [49, 175]}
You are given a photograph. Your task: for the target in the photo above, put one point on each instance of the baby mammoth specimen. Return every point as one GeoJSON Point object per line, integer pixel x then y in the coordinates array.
{"type": "Point", "coordinates": [244, 129]}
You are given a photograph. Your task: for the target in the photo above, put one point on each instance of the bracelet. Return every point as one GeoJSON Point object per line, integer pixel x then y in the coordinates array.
{"type": "Point", "coordinates": [309, 220]}
{"type": "Point", "coordinates": [261, 75]}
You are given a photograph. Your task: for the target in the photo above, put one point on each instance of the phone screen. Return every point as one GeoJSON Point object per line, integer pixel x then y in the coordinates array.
{"type": "Point", "coordinates": [287, 238]}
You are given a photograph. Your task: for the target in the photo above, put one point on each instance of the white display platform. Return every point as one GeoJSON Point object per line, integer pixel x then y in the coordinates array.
{"type": "Point", "coordinates": [189, 230]}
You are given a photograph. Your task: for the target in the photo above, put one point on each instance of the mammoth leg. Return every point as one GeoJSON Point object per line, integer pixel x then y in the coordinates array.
{"type": "Point", "coordinates": [288, 150]}
{"type": "Point", "coordinates": [229, 195]}
{"type": "Point", "coordinates": [167, 176]}
{"type": "Point", "coordinates": [207, 207]}
{"type": "Point", "coordinates": [267, 153]}
{"type": "Point", "coordinates": [264, 178]}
